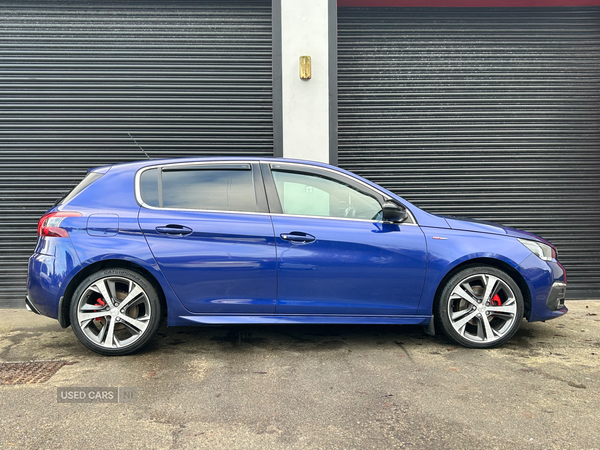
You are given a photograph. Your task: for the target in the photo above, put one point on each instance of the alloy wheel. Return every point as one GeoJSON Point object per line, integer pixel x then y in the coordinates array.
{"type": "Point", "coordinates": [482, 308]}
{"type": "Point", "coordinates": [113, 312]}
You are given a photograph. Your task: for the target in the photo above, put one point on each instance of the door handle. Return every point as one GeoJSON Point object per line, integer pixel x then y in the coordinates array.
{"type": "Point", "coordinates": [174, 230]}
{"type": "Point", "coordinates": [298, 237]}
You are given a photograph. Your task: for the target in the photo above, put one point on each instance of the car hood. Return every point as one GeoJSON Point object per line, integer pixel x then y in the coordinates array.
{"type": "Point", "coordinates": [481, 226]}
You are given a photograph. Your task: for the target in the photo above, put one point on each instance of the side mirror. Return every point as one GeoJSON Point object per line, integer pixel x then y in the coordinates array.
{"type": "Point", "coordinates": [392, 212]}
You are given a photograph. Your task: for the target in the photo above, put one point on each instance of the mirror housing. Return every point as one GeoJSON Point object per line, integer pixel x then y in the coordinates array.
{"type": "Point", "coordinates": [392, 212]}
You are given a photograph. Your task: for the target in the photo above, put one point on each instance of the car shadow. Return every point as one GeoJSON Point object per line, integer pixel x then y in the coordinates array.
{"type": "Point", "coordinates": [297, 338]}
{"type": "Point", "coordinates": [307, 338]}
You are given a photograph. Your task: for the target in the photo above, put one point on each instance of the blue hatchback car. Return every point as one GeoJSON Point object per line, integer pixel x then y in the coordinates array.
{"type": "Point", "coordinates": [265, 241]}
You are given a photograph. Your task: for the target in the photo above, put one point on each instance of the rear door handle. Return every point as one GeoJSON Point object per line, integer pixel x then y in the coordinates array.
{"type": "Point", "coordinates": [298, 237]}
{"type": "Point", "coordinates": [174, 230]}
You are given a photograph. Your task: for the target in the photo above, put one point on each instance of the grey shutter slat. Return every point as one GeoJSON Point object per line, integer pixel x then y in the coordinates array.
{"type": "Point", "coordinates": [183, 77]}
{"type": "Point", "coordinates": [487, 113]}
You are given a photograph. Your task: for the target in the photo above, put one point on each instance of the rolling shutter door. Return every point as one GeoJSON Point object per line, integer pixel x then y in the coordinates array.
{"type": "Point", "coordinates": [486, 113]}
{"type": "Point", "coordinates": [76, 78]}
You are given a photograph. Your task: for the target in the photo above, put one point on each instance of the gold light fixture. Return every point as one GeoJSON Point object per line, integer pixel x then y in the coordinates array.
{"type": "Point", "coordinates": [305, 73]}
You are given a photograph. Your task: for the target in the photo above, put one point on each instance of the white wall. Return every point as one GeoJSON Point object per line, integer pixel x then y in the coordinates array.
{"type": "Point", "coordinates": [305, 103]}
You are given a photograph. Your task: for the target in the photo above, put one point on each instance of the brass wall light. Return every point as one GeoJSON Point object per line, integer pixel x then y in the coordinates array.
{"type": "Point", "coordinates": [305, 67]}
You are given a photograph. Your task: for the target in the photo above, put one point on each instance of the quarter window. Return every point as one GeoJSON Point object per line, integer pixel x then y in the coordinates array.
{"type": "Point", "coordinates": [313, 195]}
{"type": "Point", "coordinates": [205, 188]}
{"type": "Point", "coordinates": [89, 179]}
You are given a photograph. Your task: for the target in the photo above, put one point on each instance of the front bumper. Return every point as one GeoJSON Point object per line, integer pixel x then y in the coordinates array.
{"type": "Point", "coordinates": [30, 306]}
{"type": "Point", "coordinates": [547, 285]}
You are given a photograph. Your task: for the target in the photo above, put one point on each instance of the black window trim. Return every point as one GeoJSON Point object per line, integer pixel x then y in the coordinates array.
{"type": "Point", "coordinates": [259, 190]}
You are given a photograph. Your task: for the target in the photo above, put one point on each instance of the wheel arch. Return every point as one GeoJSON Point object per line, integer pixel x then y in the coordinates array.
{"type": "Point", "coordinates": [501, 265]}
{"type": "Point", "coordinates": [63, 313]}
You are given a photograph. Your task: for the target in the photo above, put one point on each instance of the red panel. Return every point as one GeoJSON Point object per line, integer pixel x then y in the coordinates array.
{"type": "Point", "coordinates": [467, 3]}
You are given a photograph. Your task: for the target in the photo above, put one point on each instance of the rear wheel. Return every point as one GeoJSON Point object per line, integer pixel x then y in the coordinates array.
{"type": "Point", "coordinates": [480, 307]}
{"type": "Point", "coordinates": [115, 311]}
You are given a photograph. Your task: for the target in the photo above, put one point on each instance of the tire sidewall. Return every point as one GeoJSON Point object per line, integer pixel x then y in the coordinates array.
{"type": "Point", "coordinates": [153, 322]}
{"type": "Point", "coordinates": [442, 305]}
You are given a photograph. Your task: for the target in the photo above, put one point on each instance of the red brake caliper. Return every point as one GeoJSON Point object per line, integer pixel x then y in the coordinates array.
{"type": "Point", "coordinates": [496, 301]}
{"type": "Point", "coordinates": [101, 303]}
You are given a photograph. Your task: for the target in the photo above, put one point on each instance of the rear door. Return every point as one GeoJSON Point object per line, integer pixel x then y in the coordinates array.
{"type": "Point", "coordinates": [208, 228]}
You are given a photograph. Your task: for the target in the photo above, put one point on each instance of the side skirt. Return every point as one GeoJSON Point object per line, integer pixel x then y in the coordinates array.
{"type": "Point", "coordinates": [223, 319]}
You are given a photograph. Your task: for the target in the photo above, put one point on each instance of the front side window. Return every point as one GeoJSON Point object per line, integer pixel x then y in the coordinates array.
{"type": "Point", "coordinates": [313, 195]}
{"type": "Point", "coordinates": [204, 188]}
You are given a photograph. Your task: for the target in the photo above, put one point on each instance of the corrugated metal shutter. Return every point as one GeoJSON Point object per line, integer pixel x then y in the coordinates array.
{"type": "Point", "coordinates": [487, 113]}
{"type": "Point", "coordinates": [183, 77]}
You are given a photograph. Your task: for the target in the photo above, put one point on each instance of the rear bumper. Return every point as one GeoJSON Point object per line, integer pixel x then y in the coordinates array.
{"type": "Point", "coordinates": [43, 284]}
{"type": "Point", "coordinates": [47, 276]}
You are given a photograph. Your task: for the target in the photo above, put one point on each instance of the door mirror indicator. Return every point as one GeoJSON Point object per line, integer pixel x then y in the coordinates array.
{"type": "Point", "coordinates": [392, 212]}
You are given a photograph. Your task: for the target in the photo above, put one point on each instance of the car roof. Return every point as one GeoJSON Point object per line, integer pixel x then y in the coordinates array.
{"type": "Point", "coordinates": [135, 165]}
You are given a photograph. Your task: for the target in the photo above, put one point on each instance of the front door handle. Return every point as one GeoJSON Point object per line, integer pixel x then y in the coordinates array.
{"type": "Point", "coordinates": [174, 230]}
{"type": "Point", "coordinates": [298, 237]}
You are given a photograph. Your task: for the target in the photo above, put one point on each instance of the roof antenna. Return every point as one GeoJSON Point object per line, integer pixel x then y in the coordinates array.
{"type": "Point", "coordinates": [136, 142]}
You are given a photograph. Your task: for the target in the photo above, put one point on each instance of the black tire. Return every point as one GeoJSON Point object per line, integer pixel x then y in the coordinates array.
{"type": "Point", "coordinates": [124, 322]}
{"type": "Point", "coordinates": [462, 307]}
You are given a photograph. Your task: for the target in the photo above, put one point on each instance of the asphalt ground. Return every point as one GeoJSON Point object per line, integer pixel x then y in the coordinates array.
{"type": "Point", "coordinates": [311, 387]}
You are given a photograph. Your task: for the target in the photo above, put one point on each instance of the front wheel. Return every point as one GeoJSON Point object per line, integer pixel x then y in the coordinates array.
{"type": "Point", "coordinates": [480, 307]}
{"type": "Point", "coordinates": [115, 311]}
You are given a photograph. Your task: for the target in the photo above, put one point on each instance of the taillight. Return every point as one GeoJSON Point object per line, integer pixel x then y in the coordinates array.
{"type": "Point", "coordinates": [49, 225]}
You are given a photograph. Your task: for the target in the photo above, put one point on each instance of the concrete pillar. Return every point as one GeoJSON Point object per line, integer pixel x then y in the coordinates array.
{"type": "Point", "coordinates": [305, 111]}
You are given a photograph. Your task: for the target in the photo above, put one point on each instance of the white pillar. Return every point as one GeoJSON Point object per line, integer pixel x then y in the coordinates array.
{"type": "Point", "coordinates": [306, 112]}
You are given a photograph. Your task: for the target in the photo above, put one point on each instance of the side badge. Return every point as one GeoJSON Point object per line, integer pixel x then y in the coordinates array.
{"type": "Point", "coordinates": [439, 238]}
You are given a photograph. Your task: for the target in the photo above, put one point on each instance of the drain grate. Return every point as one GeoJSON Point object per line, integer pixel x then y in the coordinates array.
{"type": "Point", "coordinates": [29, 372]}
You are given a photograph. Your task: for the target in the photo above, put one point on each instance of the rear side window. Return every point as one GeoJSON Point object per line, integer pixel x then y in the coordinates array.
{"type": "Point", "coordinates": [89, 179]}
{"type": "Point", "coordinates": [220, 188]}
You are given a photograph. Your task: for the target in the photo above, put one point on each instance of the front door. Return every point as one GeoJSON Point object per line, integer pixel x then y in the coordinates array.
{"type": "Point", "coordinates": [336, 255]}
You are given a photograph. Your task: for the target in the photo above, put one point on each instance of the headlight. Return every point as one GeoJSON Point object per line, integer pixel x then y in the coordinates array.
{"type": "Point", "coordinates": [542, 251]}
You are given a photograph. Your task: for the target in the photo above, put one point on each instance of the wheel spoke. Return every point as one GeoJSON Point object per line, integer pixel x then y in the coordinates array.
{"type": "Point", "coordinates": [490, 287]}
{"type": "Point", "coordinates": [458, 314]}
{"type": "Point", "coordinates": [101, 286]}
{"type": "Point", "coordinates": [490, 334]}
{"type": "Point", "coordinates": [131, 296]}
{"type": "Point", "coordinates": [88, 307]}
{"type": "Point", "coordinates": [460, 291]}
{"type": "Point", "coordinates": [510, 309]}
{"type": "Point", "coordinates": [458, 325]}
{"type": "Point", "coordinates": [109, 341]}
{"type": "Point", "coordinates": [138, 325]}
{"type": "Point", "coordinates": [86, 317]}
